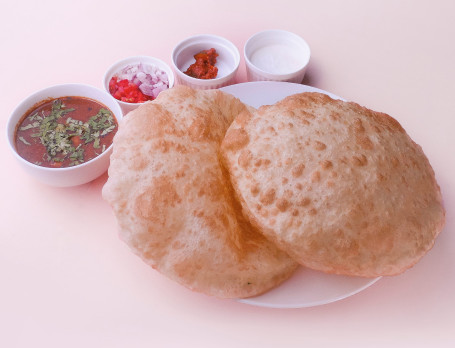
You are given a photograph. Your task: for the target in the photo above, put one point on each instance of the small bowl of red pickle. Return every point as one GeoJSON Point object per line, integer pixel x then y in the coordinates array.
{"type": "Point", "coordinates": [205, 62]}
{"type": "Point", "coordinates": [62, 135]}
{"type": "Point", "coordinates": [136, 80]}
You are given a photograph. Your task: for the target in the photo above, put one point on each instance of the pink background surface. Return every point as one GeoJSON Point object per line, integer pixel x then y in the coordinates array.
{"type": "Point", "coordinates": [66, 280]}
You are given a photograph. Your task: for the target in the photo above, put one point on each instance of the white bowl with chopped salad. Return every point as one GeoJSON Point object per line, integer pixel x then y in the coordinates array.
{"type": "Point", "coordinates": [138, 79]}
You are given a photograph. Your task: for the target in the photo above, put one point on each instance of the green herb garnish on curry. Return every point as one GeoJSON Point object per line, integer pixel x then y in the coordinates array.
{"type": "Point", "coordinates": [65, 132]}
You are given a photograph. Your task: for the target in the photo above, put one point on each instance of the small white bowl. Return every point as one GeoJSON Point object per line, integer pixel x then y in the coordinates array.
{"type": "Point", "coordinates": [228, 60]}
{"type": "Point", "coordinates": [276, 55]}
{"type": "Point", "coordinates": [69, 176]}
{"type": "Point", "coordinates": [146, 60]}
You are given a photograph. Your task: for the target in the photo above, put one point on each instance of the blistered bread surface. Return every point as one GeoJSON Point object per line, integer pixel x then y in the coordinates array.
{"type": "Point", "coordinates": [340, 188]}
{"type": "Point", "coordinates": [174, 202]}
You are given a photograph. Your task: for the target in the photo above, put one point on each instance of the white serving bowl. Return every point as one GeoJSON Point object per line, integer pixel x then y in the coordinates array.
{"type": "Point", "coordinates": [276, 55]}
{"type": "Point", "coordinates": [69, 176]}
{"type": "Point", "coordinates": [228, 60]}
{"type": "Point", "coordinates": [146, 60]}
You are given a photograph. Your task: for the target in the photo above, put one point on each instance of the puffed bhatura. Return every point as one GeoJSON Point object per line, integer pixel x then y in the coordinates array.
{"type": "Point", "coordinates": [174, 203]}
{"type": "Point", "coordinates": [342, 189]}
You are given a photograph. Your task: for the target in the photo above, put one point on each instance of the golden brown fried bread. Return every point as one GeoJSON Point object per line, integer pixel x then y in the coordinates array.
{"type": "Point", "coordinates": [340, 188]}
{"type": "Point", "coordinates": [174, 202]}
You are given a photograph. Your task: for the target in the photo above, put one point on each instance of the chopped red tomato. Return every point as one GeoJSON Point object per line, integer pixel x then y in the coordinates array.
{"type": "Point", "coordinates": [56, 164]}
{"type": "Point", "coordinates": [127, 91]}
{"type": "Point", "coordinates": [76, 140]}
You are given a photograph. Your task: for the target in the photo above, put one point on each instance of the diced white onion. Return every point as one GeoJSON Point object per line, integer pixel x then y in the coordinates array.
{"type": "Point", "coordinates": [150, 79]}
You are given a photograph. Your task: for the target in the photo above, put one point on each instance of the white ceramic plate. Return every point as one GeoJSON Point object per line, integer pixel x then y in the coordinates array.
{"type": "Point", "coordinates": [306, 288]}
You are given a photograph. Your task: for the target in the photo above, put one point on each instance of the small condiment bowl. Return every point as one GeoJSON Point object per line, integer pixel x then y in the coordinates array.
{"type": "Point", "coordinates": [276, 55]}
{"type": "Point", "coordinates": [228, 60]}
{"type": "Point", "coordinates": [146, 60]}
{"type": "Point", "coordinates": [68, 176]}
